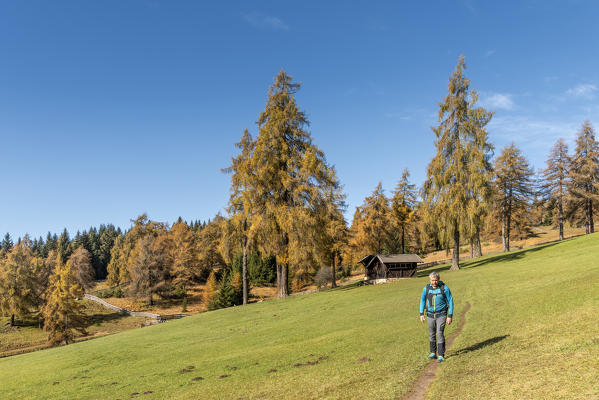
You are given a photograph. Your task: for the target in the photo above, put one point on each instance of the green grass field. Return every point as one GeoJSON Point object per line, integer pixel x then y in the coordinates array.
{"type": "Point", "coordinates": [26, 336]}
{"type": "Point", "coordinates": [531, 333]}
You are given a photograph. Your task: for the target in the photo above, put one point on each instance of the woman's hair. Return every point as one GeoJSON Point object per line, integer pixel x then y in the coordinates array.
{"type": "Point", "coordinates": [434, 274]}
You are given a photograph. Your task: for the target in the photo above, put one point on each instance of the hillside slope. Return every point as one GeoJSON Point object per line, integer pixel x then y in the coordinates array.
{"type": "Point", "coordinates": [531, 333]}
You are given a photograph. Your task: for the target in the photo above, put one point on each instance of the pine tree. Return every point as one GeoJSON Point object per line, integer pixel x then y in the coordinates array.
{"type": "Point", "coordinates": [107, 237]}
{"type": "Point", "coordinates": [290, 175]}
{"type": "Point", "coordinates": [118, 261]}
{"type": "Point", "coordinates": [225, 296]}
{"type": "Point", "coordinates": [403, 205]}
{"type": "Point", "coordinates": [458, 176]}
{"type": "Point", "coordinates": [514, 188]}
{"type": "Point", "coordinates": [7, 243]}
{"type": "Point", "coordinates": [584, 177]}
{"type": "Point", "coordinates": [556, 181]}
{"type": "Point", "coordinates": [63, 314]}
{"type": "Point", "coordinates": [63, 247]}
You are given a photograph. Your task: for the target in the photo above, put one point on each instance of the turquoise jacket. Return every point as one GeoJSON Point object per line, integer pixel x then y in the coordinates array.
{"type": "Point", "coordinates": [436, 303]}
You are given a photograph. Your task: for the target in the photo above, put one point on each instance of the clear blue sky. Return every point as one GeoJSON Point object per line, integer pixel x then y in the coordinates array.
{"type": "Point", "coordinates": [109, 109]}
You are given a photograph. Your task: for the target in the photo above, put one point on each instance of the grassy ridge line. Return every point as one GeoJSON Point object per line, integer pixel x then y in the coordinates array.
{"type": "Point", "coordinates": [503, 352]}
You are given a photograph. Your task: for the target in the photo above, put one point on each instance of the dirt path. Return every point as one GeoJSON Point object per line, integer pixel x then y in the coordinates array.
{"type": "Point", "coordinates": [418, 391]}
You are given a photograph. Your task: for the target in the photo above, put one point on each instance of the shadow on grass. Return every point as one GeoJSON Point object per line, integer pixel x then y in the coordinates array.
{"type": "Point", "coordinates": [97, 319]}
{"type": "Point", "coordinates": [352, 285]}
{"type": "Point", "coordinates": [467, 264]}
{"type": "Point", "coordinates": [479, 345]}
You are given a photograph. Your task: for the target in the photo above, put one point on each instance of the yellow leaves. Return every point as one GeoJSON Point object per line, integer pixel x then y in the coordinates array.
{"type": "Point", "coordinates": [210, 289]}
{"type": "Point", "coordinates": [62, 313]}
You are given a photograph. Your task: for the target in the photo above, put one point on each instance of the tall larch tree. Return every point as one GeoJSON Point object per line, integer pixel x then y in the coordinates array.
{"type": "Point", "coordinates": [453, 193]}
{"type": "Point", "coordinates": [241, 202]}
{"type": "Point", "coordinates": [403, 205]}
{"type": "Point", "coordinates": [17, 283]}
{"type": "Point", "coordinates": [290, 172]}
{"type": "Point", "coordinates": [584, 177]}
{"type": "Point", "coordinates": [210, 246]}
{"type": "Point", "coordinates": [331, 230]}
{"type": "Point", "coordinates": [150, 261]}
{"type": "Point", "coordinates": [376, 232]}
{"type": "Point", "coordinates": [556, 181]}
{"type": "Point", "coordinates": [185, 267]}
{"type": "Point", "coordinates": [514, 188]}
{"type": "Point", "coordinates": [63, 314]}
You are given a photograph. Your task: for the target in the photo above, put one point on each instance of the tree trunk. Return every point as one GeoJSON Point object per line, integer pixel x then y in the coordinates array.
{"type": "Point", "coordinates": [278, 267]}
{"type": "Point", "coordinates": [12, 320]}
{"type": "Point", "coordinates": [333, 280]}
{"type": "Point", "coordinates": [561, 219]}
{"type": "Point", "coordinates": [591, 223]}
{"type": "Point", "coordinates": [150, 299]}
{"type": "Point", "coordinates": [503, 233]}
{"type": "Point", "coordinates": [587, 225]}
{"type": "Point", "coordinates": [282, 280]}
{"type": "Point", "coordinates": [66, 329]}
{"type": "Point", "coordinates": [283, 270]}
{"type": "Point", "coordinates": [455, 259]}
{"type": "Point", "coordinates": [403, 238]}
{"type": "Point", "coordinates": [507, 230]}
{"type": "Point", "coordinates": [244, 271]}
{"type": "Point", "coordinates": [478, 250]}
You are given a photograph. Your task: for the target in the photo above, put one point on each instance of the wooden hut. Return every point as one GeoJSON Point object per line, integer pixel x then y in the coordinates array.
{"type": "Point", "coordinates": [382, 267]}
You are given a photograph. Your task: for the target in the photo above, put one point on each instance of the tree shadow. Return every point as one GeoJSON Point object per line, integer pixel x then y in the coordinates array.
{"type": "Point", "coordinates": [479, 345]}
{"type": "Point", "coordinates": [350, 286]}
{"type": "Point", "coordinates": [478, 262]}
{"type": "Point", "coordinates": [97, 319]}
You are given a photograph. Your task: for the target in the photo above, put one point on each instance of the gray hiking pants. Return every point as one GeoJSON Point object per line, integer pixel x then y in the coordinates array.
{"type": "Point", "coordinates": [436, 329]}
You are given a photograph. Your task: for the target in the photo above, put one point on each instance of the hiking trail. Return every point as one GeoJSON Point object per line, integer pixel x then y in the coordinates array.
{"type": "Point", "coordinates": [418, 390]}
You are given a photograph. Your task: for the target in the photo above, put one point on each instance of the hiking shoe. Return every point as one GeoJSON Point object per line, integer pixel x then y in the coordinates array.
{"type": "Point", "coordinates": [441, 359]}
{"type": "Point", "coordinates": [432, 356]}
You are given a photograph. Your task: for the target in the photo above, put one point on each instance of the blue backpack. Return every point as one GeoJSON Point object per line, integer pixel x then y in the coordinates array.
{"type": "Point", "coordinates": [429, 296]}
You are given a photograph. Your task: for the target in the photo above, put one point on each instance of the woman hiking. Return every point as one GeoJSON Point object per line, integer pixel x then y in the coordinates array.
{"type": "Point", "coordinates": [437, 302]}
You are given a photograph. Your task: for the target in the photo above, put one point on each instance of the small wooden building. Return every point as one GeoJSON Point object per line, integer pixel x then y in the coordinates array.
{"type": "Point", "coordinates": [382, 267]}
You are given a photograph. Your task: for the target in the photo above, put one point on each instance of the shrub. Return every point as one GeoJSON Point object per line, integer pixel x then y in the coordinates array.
{"type": "Point", "coordinates": [112, 292]}
{"type": "Point", "coordinates": [184, 305]}
{"type": "Point", "coordinates": [323, 277]}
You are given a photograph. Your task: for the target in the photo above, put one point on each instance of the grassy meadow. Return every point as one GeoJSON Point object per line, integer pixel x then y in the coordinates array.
{"type": "Point", "coordinates": [531, 332]}
{"type": "Point", "coordinates": [26, 336]}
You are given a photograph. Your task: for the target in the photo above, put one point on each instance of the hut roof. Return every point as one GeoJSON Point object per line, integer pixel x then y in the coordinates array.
{"type": "Point", "coordinates": [391, 259]}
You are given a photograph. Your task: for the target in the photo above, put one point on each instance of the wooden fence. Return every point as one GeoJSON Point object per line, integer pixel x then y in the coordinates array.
{"type": "Point", "coordinates": [123, 311]}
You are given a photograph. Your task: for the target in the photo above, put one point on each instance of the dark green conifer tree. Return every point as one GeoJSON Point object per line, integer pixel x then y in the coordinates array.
{"type": "Point", "coordinates": [7, 243]}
